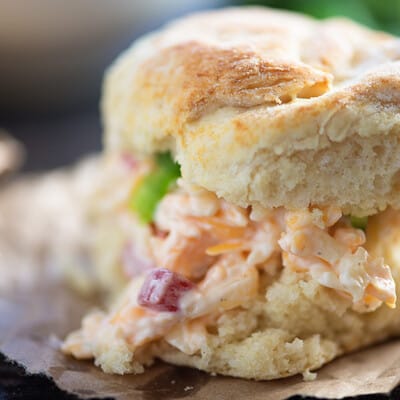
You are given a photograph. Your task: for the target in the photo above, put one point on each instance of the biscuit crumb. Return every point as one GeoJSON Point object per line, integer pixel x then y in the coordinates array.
{"type": "Point", "coordinates": [309, 376]}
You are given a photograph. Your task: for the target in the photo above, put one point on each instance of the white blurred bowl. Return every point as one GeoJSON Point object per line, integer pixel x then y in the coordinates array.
{"type": "Point", "coordinates": [53, 53]}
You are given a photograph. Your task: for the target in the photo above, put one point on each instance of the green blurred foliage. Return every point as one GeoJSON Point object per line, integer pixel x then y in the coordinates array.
{"type": "Point", "coordinates": [378, 14]}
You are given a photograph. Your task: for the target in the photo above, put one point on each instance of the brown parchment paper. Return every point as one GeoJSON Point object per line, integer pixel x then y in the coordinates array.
{"type": "Point", "coordinates": [37, 310]}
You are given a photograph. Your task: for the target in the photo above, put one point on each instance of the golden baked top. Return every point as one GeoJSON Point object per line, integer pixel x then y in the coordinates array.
{"type": "Point", "coordinates": [265, 107]}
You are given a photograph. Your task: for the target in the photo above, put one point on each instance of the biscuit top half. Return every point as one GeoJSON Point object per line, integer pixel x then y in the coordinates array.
{"type": "Point", "coordinates": [265, 108]}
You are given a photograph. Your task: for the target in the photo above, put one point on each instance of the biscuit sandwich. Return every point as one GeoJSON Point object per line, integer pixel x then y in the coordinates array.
{"type": "Point", "coordinates": [247, 224]}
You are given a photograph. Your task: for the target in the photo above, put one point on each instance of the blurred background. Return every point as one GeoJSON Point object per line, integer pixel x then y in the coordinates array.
{"type": "Point", "coordinates": [53, 55]}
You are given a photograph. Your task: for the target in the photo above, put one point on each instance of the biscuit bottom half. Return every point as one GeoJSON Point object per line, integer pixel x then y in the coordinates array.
{"type": "Point", "coordinates": [247, 292]}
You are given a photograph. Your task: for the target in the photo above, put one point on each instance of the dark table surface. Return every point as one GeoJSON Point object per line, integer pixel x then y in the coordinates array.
{"type": "Point", "coordinates": [56, 140]}
{"type": "Point", "coordinates": [15, 384]}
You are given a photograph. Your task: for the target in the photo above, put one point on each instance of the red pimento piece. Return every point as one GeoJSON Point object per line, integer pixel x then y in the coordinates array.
{"type": "Point", "coordinates": [162, 290]}
{"type": "Point", "coordinates": [129, 161]}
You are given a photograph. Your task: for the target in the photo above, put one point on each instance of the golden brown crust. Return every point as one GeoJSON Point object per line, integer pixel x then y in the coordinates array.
{"type": "Point", "coordinates": [265, 107]}
{"type": "Point", "coordinates": [206, 78]}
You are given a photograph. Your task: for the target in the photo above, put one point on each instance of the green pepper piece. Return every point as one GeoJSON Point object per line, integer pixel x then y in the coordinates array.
{"type": "Point", "coordinates": [359, 222]}
{"type": "Point", "coordinates": [154, 186]}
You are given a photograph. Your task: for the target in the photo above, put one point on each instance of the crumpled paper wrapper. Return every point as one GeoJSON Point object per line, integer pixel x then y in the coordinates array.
{"type": "Point", "coordinates": [43, 225]}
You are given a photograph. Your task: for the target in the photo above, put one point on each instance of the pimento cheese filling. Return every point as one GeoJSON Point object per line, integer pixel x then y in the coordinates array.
{"type": "Point", "coordinates": [205, 256]}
